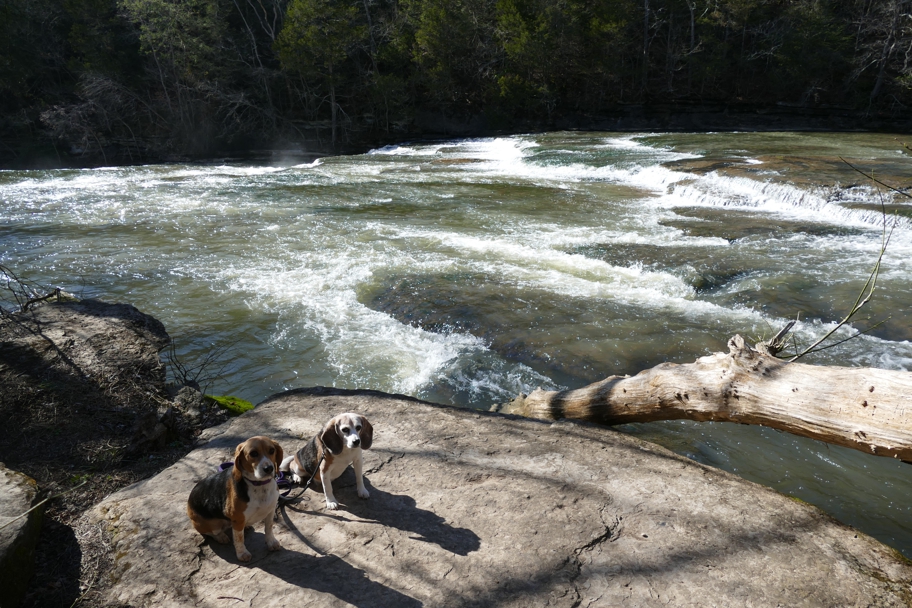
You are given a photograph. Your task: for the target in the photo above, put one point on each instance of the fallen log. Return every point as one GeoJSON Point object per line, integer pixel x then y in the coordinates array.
{"type": "Point", "coordinates": [862, 408]}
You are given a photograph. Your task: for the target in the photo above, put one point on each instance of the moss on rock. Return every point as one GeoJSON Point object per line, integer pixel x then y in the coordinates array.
{"type": "Point", "coordinates": [233, 405]}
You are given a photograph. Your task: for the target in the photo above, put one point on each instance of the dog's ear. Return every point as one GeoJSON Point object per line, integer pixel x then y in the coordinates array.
{"type": "Point", "coordinates": [238, 452]}
{"type": "Point", "coordinates": [279, 455]}
{"type": "Point", "coordinates": [330, 437]}
{"type": "Point", "coordinates": [366, 434]}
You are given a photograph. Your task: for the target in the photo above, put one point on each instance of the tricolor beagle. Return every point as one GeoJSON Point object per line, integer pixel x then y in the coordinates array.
{"type": "Point", "coordinates": [240, 496]}
{"type": "Point", "coordinates": [338, 445]}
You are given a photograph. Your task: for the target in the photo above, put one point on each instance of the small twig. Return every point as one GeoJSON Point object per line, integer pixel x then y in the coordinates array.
{"type": "Point", "coordinates": [859, 333]}
{"type": "Point", "coordinates": [777, 343]}
{"type": "Point", "coordinates": [49, 498]}
{"type": "Point", "coordinates": [200, 376]}
{"type": "Point", "coordinates": [867, 290]}
{"type": "Point", "coordinates": [875, 180]}
{"type": "Point", "coordinates": [863, 298]}
{"type": "Point", "coordinates": [54, 294]}
{"type": "Point", "coordinates": [89, 588]}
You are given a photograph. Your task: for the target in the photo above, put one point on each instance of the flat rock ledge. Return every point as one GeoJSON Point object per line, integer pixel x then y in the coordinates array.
{"type": "Point", "coordinates": [471, 508]}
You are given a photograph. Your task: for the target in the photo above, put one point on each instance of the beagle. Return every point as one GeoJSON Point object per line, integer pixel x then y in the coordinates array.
{"type": "Point", "coordinates": [327, 455]}
{"type": "Point", "coordinates": [239, 496]}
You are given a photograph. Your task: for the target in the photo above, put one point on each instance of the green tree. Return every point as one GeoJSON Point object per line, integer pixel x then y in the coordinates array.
{"type": "Point", "coordinates": [318, 42]}
{"type": "Point", "coordinates": [454, 51]}
{"type": "Point", "coordinates": [184, 40]}
{"type": "Point", "coordinates": [561, 53]}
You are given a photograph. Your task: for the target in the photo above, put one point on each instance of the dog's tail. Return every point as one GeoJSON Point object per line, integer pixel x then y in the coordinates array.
{"type": "Point", "coordinates": [286, 463]}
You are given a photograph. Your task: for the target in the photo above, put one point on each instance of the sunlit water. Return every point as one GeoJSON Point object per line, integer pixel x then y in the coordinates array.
{"type": "Point", "coordinates": [469, 271]}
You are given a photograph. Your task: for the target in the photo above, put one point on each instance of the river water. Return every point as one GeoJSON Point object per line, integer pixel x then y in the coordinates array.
{"type": "Point", "coordinates": [468, 271]}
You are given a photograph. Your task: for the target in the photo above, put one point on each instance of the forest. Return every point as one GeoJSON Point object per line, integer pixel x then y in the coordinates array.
{"type": "Point", "coordinates": [119, 81]}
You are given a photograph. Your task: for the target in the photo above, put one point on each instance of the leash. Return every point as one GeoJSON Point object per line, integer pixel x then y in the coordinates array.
{"type": "Point", "coordinates": [283, 497]}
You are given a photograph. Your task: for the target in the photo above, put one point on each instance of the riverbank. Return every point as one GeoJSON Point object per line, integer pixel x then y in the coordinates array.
{"type": "Point", "coordinates": [35, 149]}
{"type": "Point", "coordinates": [86, 412]}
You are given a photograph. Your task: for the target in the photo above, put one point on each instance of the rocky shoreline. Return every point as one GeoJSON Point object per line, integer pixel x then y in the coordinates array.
{"type": "Point", "coordinates": [86, 411]}
{"type": "Point", "coordinates": [467, 508]}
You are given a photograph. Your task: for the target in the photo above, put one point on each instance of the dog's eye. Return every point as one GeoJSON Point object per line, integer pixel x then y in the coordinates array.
{"type": "Point", "coordinates": [358, 428]}
{"type": "Point", "coordinates": [271, 451]}
{"type": "Point", "coordinates": [344, 429]}
{"type": "Point", "coordinates": [254, 454]}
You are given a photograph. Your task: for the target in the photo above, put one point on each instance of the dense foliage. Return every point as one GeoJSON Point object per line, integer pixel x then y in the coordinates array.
{"type": "Point", "coordinates": [145, 78]}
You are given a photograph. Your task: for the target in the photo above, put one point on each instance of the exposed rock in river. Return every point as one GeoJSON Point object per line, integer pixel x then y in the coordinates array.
{"type": "Point", "coordinates": [473, 508]}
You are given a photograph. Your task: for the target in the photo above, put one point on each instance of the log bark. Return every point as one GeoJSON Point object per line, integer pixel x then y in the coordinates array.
{"type": "Point", "coordinates": [862, 408]}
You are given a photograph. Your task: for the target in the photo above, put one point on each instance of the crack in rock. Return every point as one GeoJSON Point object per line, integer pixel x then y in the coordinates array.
{"type": "Point", "coordinates": [383, 463]}
{"type": "Point", "coordinates": [612, 532]}
{"type": "Point", "coordinates": [199, 563]}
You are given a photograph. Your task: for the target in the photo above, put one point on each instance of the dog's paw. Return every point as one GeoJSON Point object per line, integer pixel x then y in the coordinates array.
{"type": "Point", "coordinates": [297, 478]}
{"type": "Point", "coordinates": [222, 538]}
{"type": "Point", "coordinates": [363, 493]}
{"type": "Point", "coordinates": [245, 556]}
{"type": "Point", "coordinates": [331, 505]}
{"type": "Point", "coordinates": [273, 544]}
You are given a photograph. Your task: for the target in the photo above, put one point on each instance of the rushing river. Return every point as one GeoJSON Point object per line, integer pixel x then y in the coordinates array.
{"type": "Point", "coordinates": [468, 271]}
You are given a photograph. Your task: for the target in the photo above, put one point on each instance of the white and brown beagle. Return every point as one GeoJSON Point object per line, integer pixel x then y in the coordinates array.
{"type": "Point", "coordinates": [239, 496]}
{"type": "Point", "coordinates": [327, 455]}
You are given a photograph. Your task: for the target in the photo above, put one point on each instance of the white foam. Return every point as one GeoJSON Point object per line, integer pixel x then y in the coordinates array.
{"type": "Point", "coordinates": [624, 143]}
{"type": "Point", "coordinates": [317, 297]}
{"type": "Point", "coordinates": [511, 158]}
{"type": "Point", "coordinates": [315, 163]}
{"type": "Point", "coordinates": [211, 172]}
{"type": "Point", "coordinates": [575, 276]}
{"type": "Point", "coordinates": [631, 143]}
{"type": "Point", "coordinates": [716, 190]}
{"type": "Point", "coordinates": [308, 267]}
{"type": "Point", "coordinates": [402, 150]}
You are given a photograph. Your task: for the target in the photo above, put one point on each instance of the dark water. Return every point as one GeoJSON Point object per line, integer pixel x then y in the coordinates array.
{"type": "Point", "coordinates": [466, 272]}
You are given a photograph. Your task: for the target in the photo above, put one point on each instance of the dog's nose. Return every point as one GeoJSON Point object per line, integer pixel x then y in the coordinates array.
{"type": "Point", "coordinates": [268, 469]}
{"type": "Point", "coordinates": [356, 442]}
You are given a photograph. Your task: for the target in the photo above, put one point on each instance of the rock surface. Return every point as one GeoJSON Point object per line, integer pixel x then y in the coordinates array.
{"type": "Point", "coordinates": [93, 339]}
{"type": "Point", "coordinates": [471, 508]}
{"type": "Point", "coordinates": [18, 537]}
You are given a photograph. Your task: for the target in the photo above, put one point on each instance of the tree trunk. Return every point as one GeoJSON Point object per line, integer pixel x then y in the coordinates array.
{"type": "Point", "coordinates": [692, 7]}
{"type": "Point", "coordinates": [645, 44]}
{"type": "Point", "coordinates": [332, 101]}
{"type": "Point", "coordinates": [862, 408]}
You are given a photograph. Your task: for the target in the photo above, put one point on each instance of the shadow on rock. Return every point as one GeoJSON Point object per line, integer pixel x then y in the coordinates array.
{"type": "Point", "coordinates": [57, 565]}
{"type": "Point", "coordinates": [399, 511]}
{"type": "Point", "coordinates": [324, 573]}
